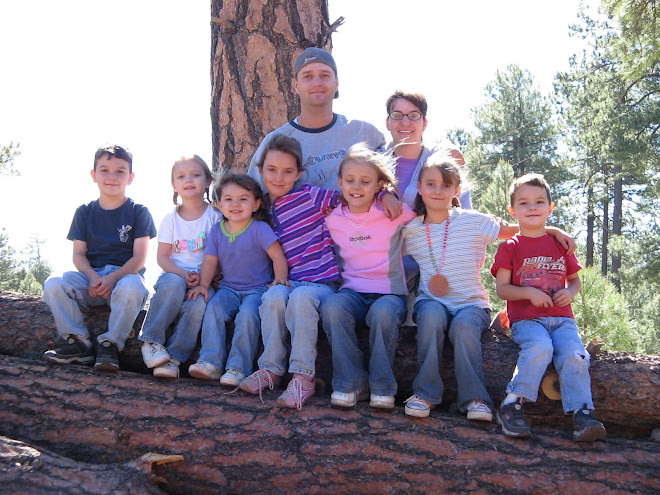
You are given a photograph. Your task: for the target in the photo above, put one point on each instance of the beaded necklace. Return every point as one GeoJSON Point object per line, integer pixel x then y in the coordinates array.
{"type": "Point", "coordinates": [438, 284]}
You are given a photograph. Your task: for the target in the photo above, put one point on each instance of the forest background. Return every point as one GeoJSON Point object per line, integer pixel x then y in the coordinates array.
{"type": "Point", "coordinates": [590, 122]}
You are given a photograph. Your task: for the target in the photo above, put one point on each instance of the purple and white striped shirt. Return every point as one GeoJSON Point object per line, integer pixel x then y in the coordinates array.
{"type": "Point", "coordinates": [298, 220]}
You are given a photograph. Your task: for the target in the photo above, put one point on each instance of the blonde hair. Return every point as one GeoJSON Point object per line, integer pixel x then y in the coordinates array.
{"type": "Point", "coordinates": [383, 164]}
{"type": "Point", "coordinates": [205, 168]}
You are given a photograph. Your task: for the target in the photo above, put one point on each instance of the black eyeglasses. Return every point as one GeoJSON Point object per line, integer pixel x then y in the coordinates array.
{"type": "Point", "coordinates": [412, 116]}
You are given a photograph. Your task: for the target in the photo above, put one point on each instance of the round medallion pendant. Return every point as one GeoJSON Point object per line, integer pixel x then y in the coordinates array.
{"type": "Point", "coordinates": [438, 285]}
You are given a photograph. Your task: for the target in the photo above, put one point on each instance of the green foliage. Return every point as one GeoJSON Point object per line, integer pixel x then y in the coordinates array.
{"type": "Point", "coordinates": [601, 312]}
{"type": "Point", "coordinates": [7, 156]}
{"type": "Point", "coordinates": [7, 262]}
{"type": "Point", "coordinates": [15, 277]}
{"type": "Point", "coordinates": [516, 124]}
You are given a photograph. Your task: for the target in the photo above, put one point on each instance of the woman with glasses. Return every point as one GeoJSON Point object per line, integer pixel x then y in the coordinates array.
{"type": "Point", "coordinates": [406, 121]}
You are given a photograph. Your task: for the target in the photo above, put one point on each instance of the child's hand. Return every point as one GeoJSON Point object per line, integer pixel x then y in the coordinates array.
{"type": "Point", "coordinates": [192, 279]}
{"type": "Point", "coordinates": [391, 206]}
{"type": "Point", "coordinates": [563, 298]}
{"type": "Point", "coordinates": [279, 282]}
{"type": "Point", "coordinates": [540, 299]}
{"type": "Point", "coordinates": [567, 242]}
{"type": "Point", "coordinates": [102, 288]}
{"type": "Point", "coordinates": [195, 292]}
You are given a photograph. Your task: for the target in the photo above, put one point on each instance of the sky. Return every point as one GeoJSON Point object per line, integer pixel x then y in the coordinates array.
{"type": "Point", "coordinates": [77, 74]}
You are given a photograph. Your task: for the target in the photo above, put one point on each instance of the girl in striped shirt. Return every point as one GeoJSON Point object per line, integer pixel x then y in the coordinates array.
{"type": "Point", "coordinates": [449, 244]}
{"type": "Point", "coordinates": [297, 214]}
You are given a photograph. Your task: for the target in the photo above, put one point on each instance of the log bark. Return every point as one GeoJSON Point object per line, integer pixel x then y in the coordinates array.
{"type": "Point", "coordinates": [624, 385]}
{"type": "Point", "coordinates": [234, 444]}
{"type": "Point", "coordinates": [25, 470]}
{"type": "Point", "coordinates": [253, 46]}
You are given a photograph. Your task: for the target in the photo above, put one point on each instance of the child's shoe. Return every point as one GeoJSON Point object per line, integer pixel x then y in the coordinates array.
{"type": "Point", "coordinates": [154, 355]}
{"type": "Point", "coordinates": [74, 351]}
{"type": "Point", "coordinates": [168, 370]}
{"type": "Point", "coordinates": [204, 371]}
{"type": "Point", "coordinates": [478, 410]}
{"type": "Point", "coordinates": [586, 428]}
{"type": "Point", "coordinates": [381, 401]}
{"type": "Point", "coordinates": [106, 357]}
{"type": "Point", "coordinates": [259, 381]}
{"type": "Point", "coordinates": [297, 392]}
{"type": "Point", "coordinates": [350, 399]}
{"type": "Point", "coordinates": [232, 378]}
{"type": "Point", "coordinates": [512, 419]}
{"type": "Point", "coordinates": [417, 407]}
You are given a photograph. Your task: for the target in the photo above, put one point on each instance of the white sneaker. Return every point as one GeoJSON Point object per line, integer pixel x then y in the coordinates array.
{"type": "Point", "coordinates": [204, 371]}
{"type": "Point", "coordinates": [232, 378]}
{"type": "Point", "coordinates": [417, 407]}
{"type": "Point", "coordinates": [350, 399]}
{"type": "Point", "coordinates": [168, 370]}
{"type": "Point", "coordinates": [154, 354]}
{"type": "Point", "coordinates": [382, 401]}
{"type": "Point", "coordinates": [477, 410]}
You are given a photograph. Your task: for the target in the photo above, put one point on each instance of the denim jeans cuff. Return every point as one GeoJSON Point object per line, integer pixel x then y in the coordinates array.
{"type": "Point", "coordinates": [522, 393]}
{"type": "Point", "coordinates": [308, 373]}
{"type": "Point", "coordinates": [273, 369]}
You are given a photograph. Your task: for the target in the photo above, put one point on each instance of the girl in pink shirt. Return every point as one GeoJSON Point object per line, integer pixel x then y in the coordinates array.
{"type": "Point", "coordinates": [368, 246]}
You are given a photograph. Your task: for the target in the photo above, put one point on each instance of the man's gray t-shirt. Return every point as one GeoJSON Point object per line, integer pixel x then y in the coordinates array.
{"type": "Point", "coordinates": [323, 149]}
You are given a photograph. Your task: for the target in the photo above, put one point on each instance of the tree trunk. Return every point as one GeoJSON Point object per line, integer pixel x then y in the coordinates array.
{"type": "Point", "coordinates": [617, 221]}
{"type": "Point", "coordinates": [591, 217]}
{"type": "Point", "coordinates": [604, 252]}
{"type": "Point", "coordinates": [254, 44]}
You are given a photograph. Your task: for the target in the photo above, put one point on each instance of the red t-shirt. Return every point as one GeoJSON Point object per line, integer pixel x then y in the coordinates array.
{"type": "Point", "coordinates": [539, 262]}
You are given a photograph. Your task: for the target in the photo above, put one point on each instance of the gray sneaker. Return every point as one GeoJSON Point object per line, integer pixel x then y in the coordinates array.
{"type": "Point", "coordinates": [512, 419]}
{"type": "Point", "coordinates": [106, 357]}
{"type": "Point", "coordinates": [586, 428]}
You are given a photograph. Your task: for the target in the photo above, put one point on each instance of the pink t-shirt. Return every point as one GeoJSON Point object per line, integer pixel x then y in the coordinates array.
{"type": "Point", "coordinates": [368, 246]}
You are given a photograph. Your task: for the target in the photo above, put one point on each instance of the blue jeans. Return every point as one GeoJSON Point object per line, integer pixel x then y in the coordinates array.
{"type": "Point", "coordinates": [295, 308]}
{"type": "Point", "coordinates": [555, 339]}
{"type": "Point", "coordinates": [169, 304]}
{"type": "Point", "coordinates": [465, 329]}
{"type": "Point", "coordinates": [243, 306]}
{"type": "Point", "coordinates": [347, 310]}
{"type": "Point", "coordinates": [64, 295]}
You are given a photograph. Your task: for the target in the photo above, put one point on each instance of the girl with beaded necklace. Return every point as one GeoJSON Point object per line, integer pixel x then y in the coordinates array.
{"type": "Point", "coordinates": [449, 244]}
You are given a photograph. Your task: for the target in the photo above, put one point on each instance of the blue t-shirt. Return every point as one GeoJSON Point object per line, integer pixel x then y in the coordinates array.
{"type": "Point", "coordinates": [110, 234]}
{"type": "Point", "coordinates": [243, 259]}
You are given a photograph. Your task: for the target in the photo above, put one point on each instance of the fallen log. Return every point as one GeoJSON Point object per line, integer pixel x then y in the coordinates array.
{"type": "Point", "coordinates": [25, 470]}
{"type": "Point", "coordinates": [232, 443]}
{"type": "Point", "coordinates": [624, 385]}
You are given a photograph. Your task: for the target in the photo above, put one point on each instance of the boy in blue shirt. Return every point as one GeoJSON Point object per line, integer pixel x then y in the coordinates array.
{"type": "Point", "coordinates": [539, 279]}
{"type": "Point", "coordinates": [110, 239]}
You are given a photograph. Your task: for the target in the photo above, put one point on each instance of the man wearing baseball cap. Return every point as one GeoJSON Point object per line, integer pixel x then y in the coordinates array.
{"type": "Point", "coordinates": [324, 135]}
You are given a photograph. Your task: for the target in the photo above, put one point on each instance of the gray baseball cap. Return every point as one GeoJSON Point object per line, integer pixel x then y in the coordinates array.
{"type": "Point", "coordinates": [311, 55]}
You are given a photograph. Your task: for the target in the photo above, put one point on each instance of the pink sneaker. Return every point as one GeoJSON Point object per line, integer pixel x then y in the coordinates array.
{"type": "Point", "coordinates": [259, 381]}
{"type": "Point", "coordinates": [300, 389]}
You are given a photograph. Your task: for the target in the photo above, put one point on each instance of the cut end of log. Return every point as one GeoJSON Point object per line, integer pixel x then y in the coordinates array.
{"type": "Point", "coordinates": [550, 385]}
{"type": "Point", "coordinates": [148, 461]}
